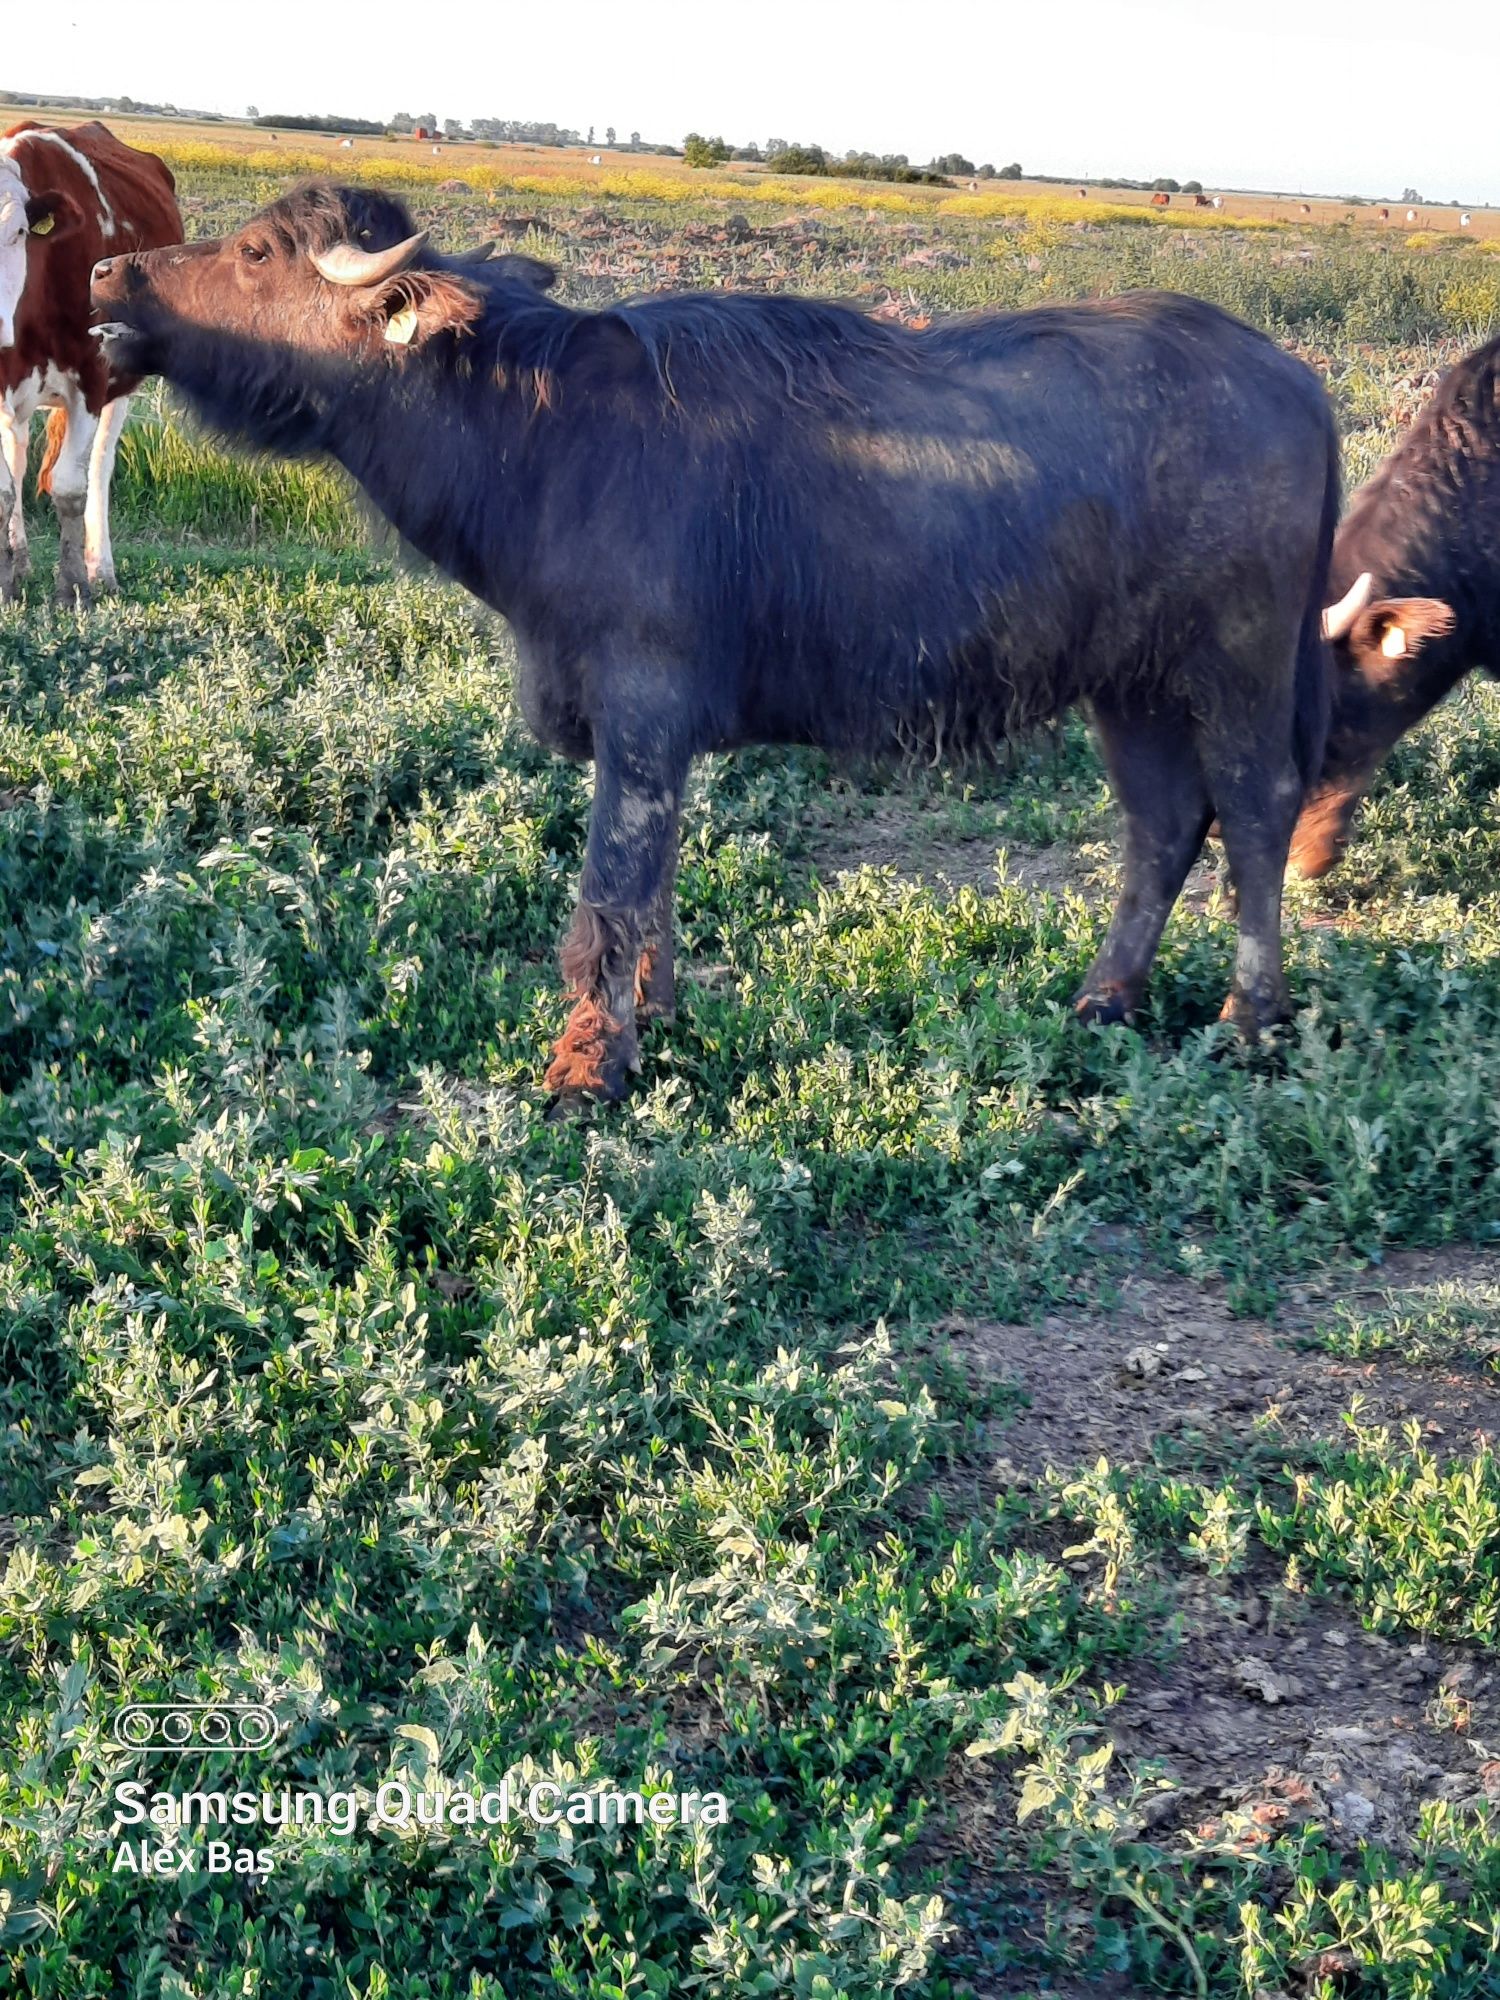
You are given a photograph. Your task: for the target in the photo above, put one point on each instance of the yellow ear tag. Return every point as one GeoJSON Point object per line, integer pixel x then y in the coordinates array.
{"type": "Point", "coordinates": [43, 227]}
{"type": "Point", "coordinates": [1393, 645]}
{"type": "Point", "coordinates": [401, 326]}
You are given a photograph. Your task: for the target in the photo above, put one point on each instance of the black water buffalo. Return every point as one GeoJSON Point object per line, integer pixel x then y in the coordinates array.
{"type": "Point", "coordinates": [725, 519]}
{"type": "Point", "coordinates": [1417, 563]}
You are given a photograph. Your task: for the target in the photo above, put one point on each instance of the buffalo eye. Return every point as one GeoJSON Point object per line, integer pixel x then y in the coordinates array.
{"type": "Point", "coordinates": [254, 253]}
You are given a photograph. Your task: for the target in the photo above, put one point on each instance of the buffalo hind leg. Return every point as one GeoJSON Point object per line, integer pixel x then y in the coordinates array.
{"type": "Point", "coordinates": [1258, 794]}
{"type": "Point", "coordinates": [626, 886]}
{"type": "Point", "coordinates": [656, 977]}
{"type": "Point", "coordinates": [1157, 780]}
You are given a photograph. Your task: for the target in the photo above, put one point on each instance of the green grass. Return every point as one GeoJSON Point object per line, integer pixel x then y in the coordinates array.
{"type": "Point", "coordinates": [335, 1377]}
{"type": "Point", "coordinates": [170, 481]}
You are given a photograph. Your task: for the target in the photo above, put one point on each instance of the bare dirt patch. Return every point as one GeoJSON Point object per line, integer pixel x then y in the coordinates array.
{"type": "Point", "coordinates": [918, 841]}
{"type": "Point", "coordinates": [1170, 1361]}
{"type": "Point", "coordinates": [1267, 1709]}
{"type": "Point", "coordinates": [1262, 1723]}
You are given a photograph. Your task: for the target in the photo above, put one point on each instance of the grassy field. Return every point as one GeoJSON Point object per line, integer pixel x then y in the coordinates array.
{"type": "Point", "coordinates": [1041, 1477]}
{"type": "Point", "coordinates": [192, 146]}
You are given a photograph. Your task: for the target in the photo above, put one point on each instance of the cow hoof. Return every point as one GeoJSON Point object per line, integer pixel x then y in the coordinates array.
{"type": "Point", "coordinates": [73, 596]}
{"type": "Point", "coordinates": [1108, 1008]}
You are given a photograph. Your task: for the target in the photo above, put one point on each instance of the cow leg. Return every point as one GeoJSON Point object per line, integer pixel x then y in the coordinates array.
{"type": "Point", "coordinates": [68, 482]}
{"type": "Point", "coordinates": [97, 554]}
{"type": "Point", "coordinates": [8, 503]}
{"type": "Point", "coordinates": [1153, 767]}
{"type": "Point", "coordinates": [15, 556]}
{"type": "Point", "coordinates": [1258, 795]}
{"type": "Point", "coordinates": [626, 884]}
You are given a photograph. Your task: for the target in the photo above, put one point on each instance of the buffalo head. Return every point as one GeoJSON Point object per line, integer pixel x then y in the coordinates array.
{"type": "Point", "coordinates": [264, 327]}
{"type": "Point", "coordinates": [1389, 669]}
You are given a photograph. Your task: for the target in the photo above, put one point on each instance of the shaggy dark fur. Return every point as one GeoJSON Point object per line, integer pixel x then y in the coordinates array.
{"type": "Point", "coordinates": [726, 519]}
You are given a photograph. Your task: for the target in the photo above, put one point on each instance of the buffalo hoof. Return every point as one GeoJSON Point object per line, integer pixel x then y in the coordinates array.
{"type": "Point", "coordinates": [655, 988]}
{"type": "Point", "coordinates": [566, 1107]}
{"type": "Point", "coordinates": [73, 596]}
{"type": "Point", "coordinates": [1314, 859]}
{"type": "Point", "coordinates": [1110, 1006]}
{"type": "Point", "coordinates": [594, 1057]}
{"type": "Point", "coordinates": [1250, 1019]}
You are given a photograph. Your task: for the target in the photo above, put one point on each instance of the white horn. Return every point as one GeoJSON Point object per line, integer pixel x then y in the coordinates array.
{"type": "Point", "coordinates": [1339, 617]}
{"type": "Point", "coordinates": [344, 264]}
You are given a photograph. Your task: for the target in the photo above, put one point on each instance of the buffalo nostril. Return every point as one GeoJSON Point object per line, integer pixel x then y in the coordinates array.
{"type": "Point", "coordinates": [104, 266]}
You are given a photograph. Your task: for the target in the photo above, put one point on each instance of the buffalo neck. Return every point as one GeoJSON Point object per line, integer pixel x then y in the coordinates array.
{"type": "Point", "coordinates": [445, 443]}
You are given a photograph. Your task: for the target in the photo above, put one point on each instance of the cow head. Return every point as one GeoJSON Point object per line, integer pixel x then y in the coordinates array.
{"type": "Point", "coordinates": [264, 327]}
{"type": "Point", "coordinates": [13, 230]}
{"type": "Point", "coordinates": [1390, 669]}
{"type": "Point", "coordinates": [30, 225]}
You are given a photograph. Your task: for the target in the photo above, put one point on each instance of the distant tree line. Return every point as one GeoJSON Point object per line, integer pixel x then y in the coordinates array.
{"type": "Point", "coordinates": [327, 121]}
{"type": "Point", "coordinates": [25, 99]}
{"type": "Point", "coordinates": [513, 132]}
{"type": "Point", "coordinates": [793, 157]}
{"type": "Point", "coordinates": [784, 156]}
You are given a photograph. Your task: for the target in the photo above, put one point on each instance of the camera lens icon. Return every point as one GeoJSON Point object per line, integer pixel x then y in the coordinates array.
{"type": "Point", "coordinates": [195, 1728]}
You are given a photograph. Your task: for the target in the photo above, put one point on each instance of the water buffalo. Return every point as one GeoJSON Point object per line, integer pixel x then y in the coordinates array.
{"type": "Point", "coordinates": [1417, 560]}
{"type": "Point", "coordinates": [726, 519]}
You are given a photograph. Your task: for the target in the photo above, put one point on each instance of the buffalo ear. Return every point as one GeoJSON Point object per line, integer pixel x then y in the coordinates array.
{"type": "Point", "coordinates": [525, 270]}
{"type": "Point", "coordinates": [52, 215]}
{"type": "Point", "coordinates": [1392, 629]}
{"type": "Point", "coordinates": [413, 308]}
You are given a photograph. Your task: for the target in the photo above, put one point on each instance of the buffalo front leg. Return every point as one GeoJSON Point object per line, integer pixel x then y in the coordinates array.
{"type": "Point", "coordinates": [1153, 768]}
{"type": "Point", "coordinates": [624, 906]}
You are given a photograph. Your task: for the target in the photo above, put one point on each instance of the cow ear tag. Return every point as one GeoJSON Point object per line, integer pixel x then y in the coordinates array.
{"type": "Point", "coordinates": [401, 326]}
{"type": "Point", "coordinates": [43, 226]}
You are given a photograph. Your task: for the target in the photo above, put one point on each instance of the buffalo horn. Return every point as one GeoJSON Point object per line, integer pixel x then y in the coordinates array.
{"type": "Point", "coordinates": [345, 264]}
{"type": "Point", "coordinates": [1339, 617]}
{"type": "Point", "coordinates": [478, 255]}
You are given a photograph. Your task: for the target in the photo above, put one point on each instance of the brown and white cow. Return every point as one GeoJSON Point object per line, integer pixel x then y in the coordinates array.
{"type": "Point", "coordinates": [67, 198]}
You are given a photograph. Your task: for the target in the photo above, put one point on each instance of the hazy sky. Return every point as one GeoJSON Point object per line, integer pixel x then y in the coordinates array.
{"type": "Point", "coordinates": [1311, 97]}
